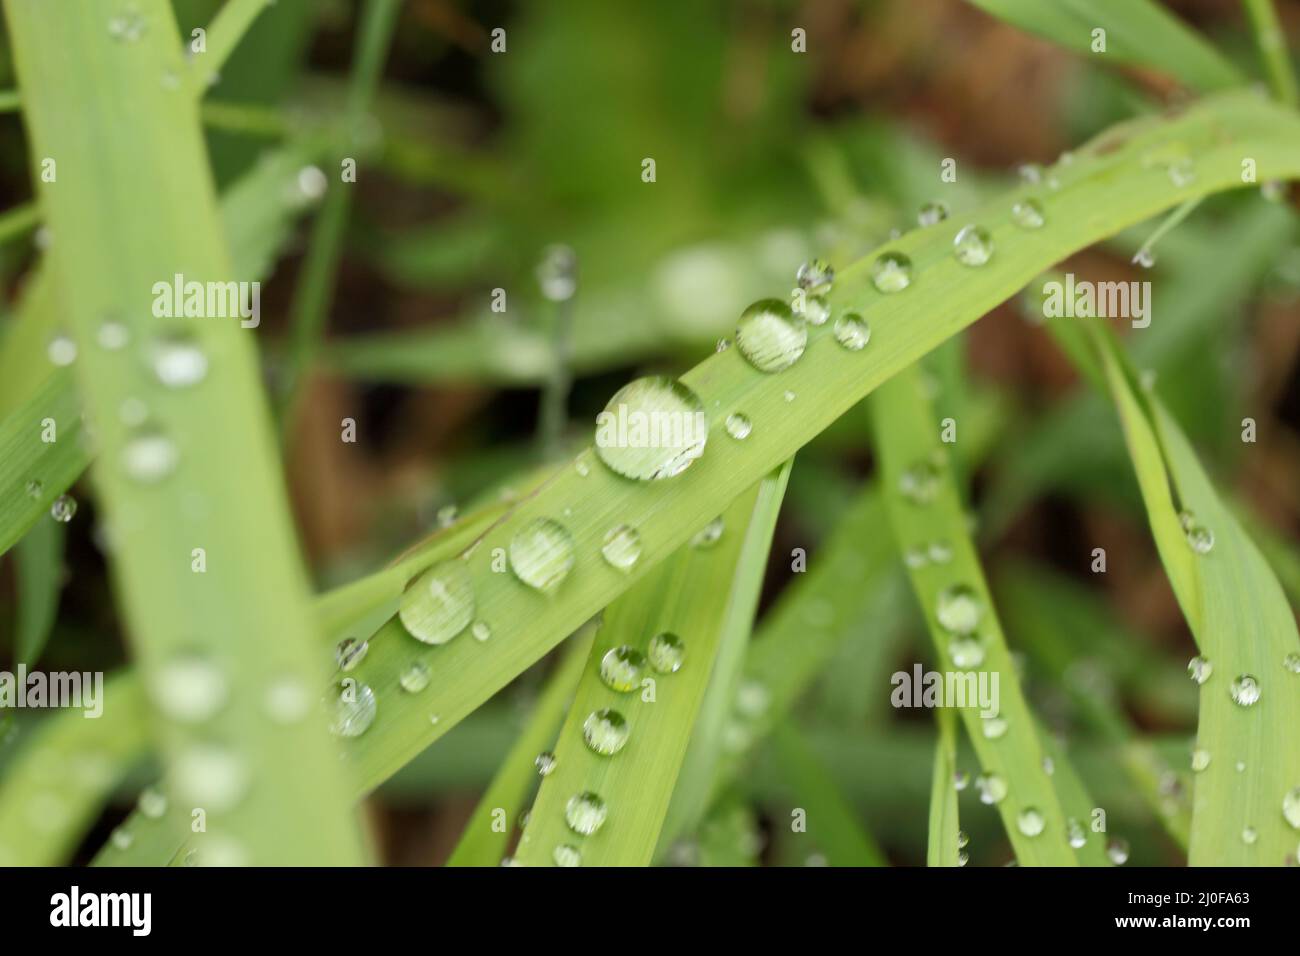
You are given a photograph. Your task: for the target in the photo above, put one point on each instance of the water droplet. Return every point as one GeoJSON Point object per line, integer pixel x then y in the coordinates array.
{"type": "Point", "coordinates": [920, 483]}
{"type": "Point", "coordinates": [1200, 759]}
{"type": "Point", "coordinates": [1028, 214]}
{"type": "Point", "coordinates": [439, 604]}
{"type": "Point", "coordinates": [962, 858]}
{"type": "Point", "coordinates": [122, 838]}
{"type": "Point", "coordinates": [723, 345]}
{"type": "Point", "coordinates": [1291, 807]}
{"type": "Point", "coordinates": [542, 554]}
{"type": "Point", "coordinates": [178, 362]}
{"type": "Point", "coordinates": [620, 668]}
{"type": "Point", "coordinates": [959, 609]}
{"type": "Point", "coordinates": [1182, 173]}
{"type": "Point", "coordinates": [967, 653]}
{"type": "Point", "coordinates": [1117, 850]}
{"type": "Point", "coordinates": [652, 428]}
{"type": "Point", "coordinates": [992, 788]}
{"type": "Point", "coordinates": [415, 677]}
{"type": "Point", "coordinates": [891, 272]}
{"type": "Point", "coordinates": [1244, 690]}
{"type": "Point", "coordinates": [189, 688]}
{"type": "Point", "coordinates": [1249, 835]}
{"type": "Point", "coordinates": [63, 508]}
{"type": "Point", "coordinates": [940, 552]}
{"type": "Point", "coordinates": [962, 839]}
{"type": "Point", "coordinates": [481, 631]}
{"type": "Point", "coordinates": [915, 558]}
{"type": "Point", "coordinates": [350, 652]}
{"type": "Point", "coordinates": [287, 700]}
{"type": "Point", "coordinates": [434, 719]}
{"type": "Point", "coordinates": [567, 855]}
{"type": "Point", "coordinates": [739, 426]}
{"type": "Point", "coordinates": [973, 246]}
{"type": "Point", "coordinates": [34, 488]}
{"type": "Point", "coordinates": [666, 653]}
{"type": "Point", "coordinates": [354, 710]}
{"type": "Point", "coordinates": [1273, 191]}
{"type": "Point", "coordinates": [1292, 662]}
{"type": "Point", "coordinates": [149, 456]}
{"type": "Point", "coordinates": [770, 336]}
{"type": "Point", "coordinates": [605, 731]}
{"type": "Point", "coordinates": [446, 516]}
{"type": "Point", "coordinates": [788, 396]}
{"type": "Point", "coordinates": [1049, 766]}
{"type": "Point", "coordinates": [112, 335]}
{"type": "Point", "coordinates": [1030, 822]}
{"type": "Point", "coordinates": [852, 331]}
{"type": "Point", "coordinates": [557, 273]}
{"type": "Point", "coordinates": [815, 275]}
{"type": "Point", "coordinates": [932, 213]}
{"type": "Point", "coordinates": [815, 310]}
{"type": "Point", "coordinates": [1199, 669]}
{"type": "Point", "coordinates": [709, 535]}
{"type": "Point", "coordinates": [1199, 538]}
{"type": "Point", "coordinates": [62, 350]}
{"type": "Point", "coordinates": [1075, 833]}
{"type": "Point", "coordinates": [210, 776]}
{"type": "Point", "coordinates": [128, 26]}
{"type": "Point", "coordinates": [311, 183]}
{"type": "Point", "coordinates": [585, 813]}
{"type": "Point", "coordinates": [545, 763]}
{"type": "Point", "coordinates": [993, 727]}
{"type": "Point", "coordinates": [152, 803]}
{"type": "Point", "coordinates": [622, 547]}
{"type": "Point", "coordinates": [960, 780]}
{"type": "Point", "coordinates": [1030, 173]}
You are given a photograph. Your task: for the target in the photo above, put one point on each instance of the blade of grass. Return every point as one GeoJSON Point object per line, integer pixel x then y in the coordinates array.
{"type": "Point", "coordinates": [944, 845]}
{"type": "Point", "coordinates": [223, 35]}
{"type": "Point", "coordinates": [39, 576]}
{"type": "Point", "coordinates": [683, 597]}
{"type": "Point", "coordinates": [1272, 49]}
{"type": "Point", "coordinates": [1138, 32]}
{"type": "Point", "coordinates": [483, 843]}
{"type": "Point", "coordinates": [143, 211]}
{"type": "Point", "coordinates": [907, 440]}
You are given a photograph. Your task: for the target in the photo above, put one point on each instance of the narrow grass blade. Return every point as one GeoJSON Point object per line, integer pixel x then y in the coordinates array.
{"type": "Point", "coordinates": [487, 835]}
{"type": "Point", "coordinates": [606, 800]}
{"type": "Point", "coordinates": [1137, 32]}
{"type": "Point", "coordinates": [223, 35]}
{"type": "Point", "coordinates": [944, 845]}
{"type": "Point", "coordinates": [926, 514]}
{"type": "Point", "coordinates": [273, 790]}
{"type": "Point", "coordinates": [1271, 41]}
{"type": "Point", "coordinates": [1244, 627]}
{"type": "Point", "coordinates": [38, 569]}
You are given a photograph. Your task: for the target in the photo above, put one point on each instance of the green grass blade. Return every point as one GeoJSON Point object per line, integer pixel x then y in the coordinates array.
{"type": "Point", "coordinates": [1271, 40]}
{"type": "Point", "coordinates": [684, 597]}
{"type": "Point", "coordinates": [907, 435]}
{"type": "Point", "coordinates": [1242, 624]}
{"type": "Point", "coordinates": [223, 35]}
{"type": "Point", "coordinates": [38, 570]}
{"type": "Point", "coordinates": [944, 846]}
{"type": "Point", "coordinates": [142, 211]}
{"type": "Point", "coordinates": [484, 841]}
{"type": "Point", "coordinates": [1138, 33]}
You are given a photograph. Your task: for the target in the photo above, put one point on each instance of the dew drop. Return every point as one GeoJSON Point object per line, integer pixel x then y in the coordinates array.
{"type": "Point", "coordinates": [959, 609]}
{"type": "Point", "coordinates": [446, 516]}
{"type": "Point", "coordinates": [149, 456]}
{"type": "Point", "coordinates": [62, 350]}
{"type": "Point", "coordinates": [960, 780]}
{"type": "Point", "coordinates": [112, 335]}
{"type": "Point", "coordinates": [994, 728]}
{"type": "Point", "coordinates": [1199, 669]}
{"type": "Point", "coordinates": [620, 668]}
{"type": "Point", "coordinates": [852, 331]}
{"type": "Point", "coordinates": [962, 839]}
{"type": "Point", "coordinates": [189, 688]}
{"type": "Point", "coordinates": [1117, 850]}
{"type": "Point", "coordinates": [439, 604]}
{"type": "Point", "coordinates": [770, 336]}
{"type": "Point", "coordinates": [1030, 173]}
{"type": "Point", "coordinates": [312, 183]}
{"type": "Point", "coordinates": [973, 246]}
{"type": "Point", "coordinates": [1030, 822]}
{"type": "Point", "coordinates": [152, 803]}
{"type": "Point", "coordinates": [920, 483]}
{"type": "Point", "coordinates": [287, 700]}
{"type": "Point", "coordinates": [666, 653]}
{"type": "Point", "coordinates": [128, 27]}
{"type": "Point", "coordinates": [1144, 258]}
{"type": "Point", "coordinates": [739, 426]}
{"type": "Point", "coordinates": [652, 428]}
{"type": "Point", "coordinates": [1200, 759]}
{"type": "Point", "coordinates": [992, 788]}
{"type": "Point", "coordinates": [815, 275]}
{"type": "Point", "coordinates": [567, 855]}
{"type": "Point", "coordinates": [815, 310]}
{"type": "Point", "coordinates": [940, 552]}
{"type": "Point", "coordinates": [63, 508]}
{"type": "Point", "coordinates": [585, 813]}
{"type": "Point", "coordinates": [709, 535]}
{"type": "Point", "coordinates": [1075, 833]}
{"type": "Point", "coordinates": [1182, 173]}
{"type": "Point", "coordinates": [557, 273]}
{"type": "Point", "coordinates": [1028, 214]}
{"type": "Point", "coordinates": [210, 776]}
{"type": "Point", "coordinates": [1244, 690]}
{"type": "Point", "coordinates": [622, 547]}
{"type": "Point", "coordinates": [350, 652]}
{"type": "Point", "coordinates": [1249, 836]}
{"type": "Point", "coordinates": [932, 213]}
{"type": "Point", "coordinates": [967, 653]}
{"type": "Point", "coordinates": [605, 731]}
{"type": "Point", "coordinates": [915, 558]}
{"type": "Point", "coordinates": [415, 677]}
{"type": "Point", "coordinates": [891, 272]}
{"type": "Point", "coordinates": [481, 631]}
{"type": "Point", "coordinates": [545, 763]}
{"type": "Point", "coordinates": [354, 710]}
{"type": "Point", "coordinates": [1291, 807]}
{"type": "Point", "coordinates": [1199, 538]}
{"type": "Point", "coordinates": [788, 396]}
{"type": "Point", "coordinates": [542, 554]}
{"type": "Point", "coordinates": [122, 838]}
{"type": "Point", "coordinates": [178, 362]}
{"type": "Point", "coordinates": [35, 488]}
{"type": "Point", "coordinates": [581, 468]}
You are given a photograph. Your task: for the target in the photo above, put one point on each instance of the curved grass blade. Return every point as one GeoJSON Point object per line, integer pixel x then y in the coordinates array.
{"type": "Point", "coordinates": [1271, 40]}
{"type": "Point", "coordinates": [944, 846]}
{"type": "Point", "coordinates": [654, 709]}
{"type": "Point", "coordinates": [1242, 624]}
{"type": "Point", "coordinates": [38, 571]}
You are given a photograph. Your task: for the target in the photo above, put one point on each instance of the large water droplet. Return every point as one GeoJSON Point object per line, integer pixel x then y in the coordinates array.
{"type": "Point", "coordinates": [621, 667]}
{"type": "Point", "coordinates": [1199, 669]}
{"type": "Point", "coordinates": [622, 547]}
{"type": "Point", "coordinates": [415, 677]}
{"type": "Point", "coordinates": [652, 428]}
{"type": "Point", "coordinates": [178, 362]}
{"type": "Point", "coordinates": [1244, 690]}
{"type": "Point", "coordinates": [440, 604]}
{"type": "Point", "coordinates": [973, 246]}
{"type": "Point", "coordinates": [959, 609]}
{"type": "Point", "coordinates": [63, 508]}
{"type": "Point", "coordinates": [666, 653]}
{"type": "Point", "coordinates": [993, 728]}
{"type": "Point", "coordinates": [542, 554]}
{"type": "Point", "coordinates": [1028, 214]}
{"type": "Point", "coordinates": [739, 426]}
{"type": "Point", "coordinates": [891, 272]}
{"type": "Point", "coordinates": [605, 731]}
{"type": "Point", "coordinates": [149, 456]}
{"type": "Point", "coordinates": [1030, 822]}
{"type": "Point", "coordinates": [354, 710]}
{"type": "Point", "coordinates": [189, 688]}
{"type": "Point", "coordinates": [585, 813]}
{"type": "Point", "coordinates": [815, 275]}
{"type": "Point", "coordinates": [770, 336]}
{"type": "Point", "coordinates": [567, 855]}
{"type": "Point", "coordinates": [852, 331]}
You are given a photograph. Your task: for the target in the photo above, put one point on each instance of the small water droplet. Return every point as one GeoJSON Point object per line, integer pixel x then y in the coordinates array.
{"type": "Point", "coordinates": [581, 468]}
{"type": "Point", "coordinates": [1117, 850]}
{"type": "Point", "coordinates": [1249, 835]}
{"type": "Point", "coordinates": [1291, 807]}
{"type": "Point", "coordinates": [605, 731]}
{"type": "Point", "coordinates": [960, 780]}
{"type": "Point", "coordinates": [481, 631]}
{"type": "Point", "coordinates": [34, 488]}
{"type": "Point", "coordinates": [666, 653]}
{"type": "Point", "coordinates": [63, 508]}
{"type": "Point", "coordinates": [439, 604]}
{"type": "Point", "coordinates": [149, 456]}
{"type": "Point", "coordinates": [178, 362]}
{"type": "Point", "coordinates": [210, 776]}
{"type": "Point", "coordinates": [152, 803]}
{"type": "Point", "coordinates": [434, 719]}
{"type": "Point", "coordinates": [709, 535]}
{"type": "Point", "coordinates": [723, 345]}
{"type": "Point", "coordinates": [815, 275]}
{"type": "Point", "coordinates": [129, 26]}
{"type": "Point", "coordinates": [967, 653]}
{"type": "Point", "coordinates": [652, 428]}
{"type": "Point", "coordinates": [959, 609]}
{"type": "Point", "coordinates": [287, 700]}
{"type": "Point", "coordinates": [962, 839]}
{"type": "Point", "coordinates": [940, 552]}
{"type": "Point", "coordinates": [557, 273]}
{"type": "Point", "coordinates": [122, 838]}
{"type": "Point", "coordinates": [973, 246]}
{"type": "Point", "coordinates": [753, 699]}
{"type": "Point", "coordinates": [992, 788]}
{"type": "Point", "coordinates": [993, 727]}
{"type": "Point", "coordinates": [1244, 690]}
{"type": "Point", "coordinates": [932, 213]}
{"type": "Point", "coordinates": [1200, 759]}
{"type": "Point", "coordinates": [350, 652]}
{"type": "Point", "coordinates": [1199, 669]}
{"type": "Point", "coordinates": [915, 558]}
{"type": "Point", "coordinates": [542, 554]}
{"type": "Point", "coordinates": [920, 482]}
{"type": "Point", "coordinates": [1030, 822]}
{"type": "Point", "coordinates": [1049, 766]}
{"type": "Point", "coordinates": [1199, 538]}
{"type": "Point", "coordinates": [545, 763]}
{"type": "Point", "coordinates": [1028, 214]}
{"type": "Point", "coordinates": [1075, 833]}
{"type": "Point", "coordinates": [622, 547]}
{"type": "Point", "coordinates": [739, 426]}
{"type": "Point", "coordinates": [446, 516]}
{"type": "Point", "coordinates": [585, 813]}
{"type": "Point", "coordinates": [1182, 173]}
{"type": "Point", "coordinates": [620, 668]}
{"type": "Point", "coordinates": [788, 396]}
{"type": "Point", "coordinates": [189, 688]}
{"type": "Point", "coordinates": [891, 272]}
{"type": "Point", "coordinates": [1030, 173]}
{"type": "Point", "coordinates": [1292, 662]}
{"type": "Point", "coordinates": [770, 336]}
{"type": "Point", "coordinates": [354, 710]}
{"type": "Point", "coordinates": [852, 331]}
{"type": "Point", "coordinates": [112, 335]}
{"type": "Point", "coordinates": [415, 677]}
{"type": "Point", "coordinates": [62, 350]}
{"type": "Point", "coordinates": [567, 855]}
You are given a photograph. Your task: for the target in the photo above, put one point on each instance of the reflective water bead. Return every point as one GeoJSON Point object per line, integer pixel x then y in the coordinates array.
{"type": "Point", "coordinates": [622, 547]}
{"type": "Point", "coordinates": [585, 813]}
{"type": "Point", "coordinates": [959, 609]}
{"type": "Point", "coordinates": [652, 428]}
{"type": "Point", "coordinates": [815, 310]}
{"type": "Point", "coordinates": [542, 554]}
{"type": "Point", "coordinates": [973, 246]}
{"type": "Point", "coordinates": [666, 653]}
{"type": "Point", "coordinates": [415, 677]}
{"type": "Point", "coordinates": [620, 668]}
{"type": "Point", "coordinates": [1200, 759]}
{"type": "Point", "coordinates": [1030, 822]}
{"type": "Point", "coordinates": [992, 788]}
{"type": "Point", "coordinates": [178, 362]}
{"type": "Point", "coordinates": [1028, 214]}
{"type": "Point", "coordinates": [566, 855]}
{"type": "Point", "coordinates": [545, 763]}
{"type": "Point", "coordinates": [63, 508]}
{"type": "Point", "coordinates": [354, 710]}
{"type": "Point", "coordinates": [1199, 669]}
{"type": "Point", "coordinates": [605, 731]}
{"type": "Point", "coordinates": [149, 456]}
{"type": "Point", "coordinates": [1244, 690]}
{"type": "Point", "coordinates": [350, 652]}
{"type": "Point", "coordinates": [852, 331]}
{"type": "Point", "coordinates": [891, 272]}
{"type": "Point", "coordinates": [1117, 850]}
{"type": "Point", "coordinates": [709, 535]}
{"type": "Point", "coordinates": [816, 276]}
{"type": "Point", "coordinates": [739, 426]}
{"type": "Point", "coordinates": [931, 213]}
{"type": "Point", "coordinates": [771, 336]}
